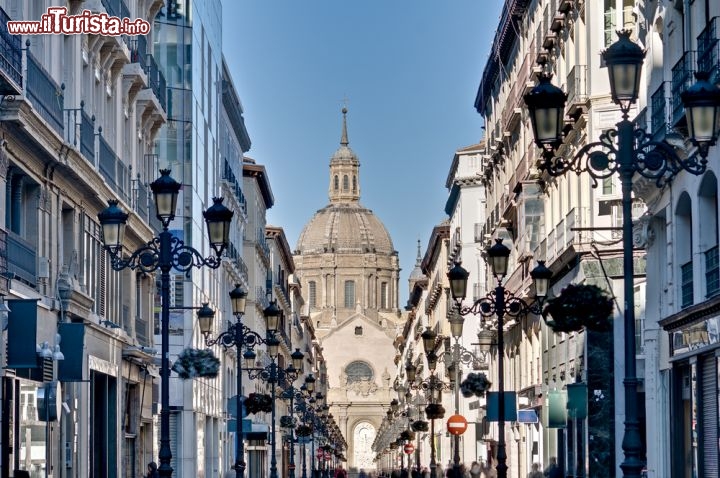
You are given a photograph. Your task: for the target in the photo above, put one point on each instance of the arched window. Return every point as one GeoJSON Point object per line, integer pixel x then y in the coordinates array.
{"type": "Point", "coordinates": [684, 248]}
{"type": "Point", "coordinates": [349, 294]}
{"type": "Point", "coordinates": [358, 371]}
{"type": "Point", "coordinates": [337, 183]}
{"type": "Point", "coordinates": [346, 183]}
{"type": "Point", "coordinates": [383, 295]}
{"type": "Point", "coordinates": [708, 234]}
{"type": "Point", "coordinates": [312, 287]}
{"type": "Point", "coordinates": [354, 184]}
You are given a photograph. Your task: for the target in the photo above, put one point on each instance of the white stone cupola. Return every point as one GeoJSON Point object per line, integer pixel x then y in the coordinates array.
{"type": "Point", "coordinates": [344, 171]}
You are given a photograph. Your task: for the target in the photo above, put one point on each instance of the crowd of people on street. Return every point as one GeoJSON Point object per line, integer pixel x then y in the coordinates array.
{"type": "Point", "coordinates": [475, 470]}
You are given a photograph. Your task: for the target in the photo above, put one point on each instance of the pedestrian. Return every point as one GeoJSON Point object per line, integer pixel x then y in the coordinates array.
{"type": "Point", "coordinates": [535, 471]}
{"type": "Point", "coordinates": [475, 470]}
{"type": "Point", "coordinates": [425, 472]}
{"type": "Point", "coordinates": [152, 470]}
{"type": "Point", "coordinates": [340, 473]}
{"type": "Point", "coordinates": [362, 473]}
{"type": "Point", "coordinates": [553, 471]}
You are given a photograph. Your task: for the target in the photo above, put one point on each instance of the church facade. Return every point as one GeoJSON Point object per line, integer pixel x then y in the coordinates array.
{"type": "Point", "coordinates": [349, 272]}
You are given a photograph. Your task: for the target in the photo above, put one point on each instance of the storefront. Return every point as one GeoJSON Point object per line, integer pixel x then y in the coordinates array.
{"type": "Point", "coordinates": [694, 356]}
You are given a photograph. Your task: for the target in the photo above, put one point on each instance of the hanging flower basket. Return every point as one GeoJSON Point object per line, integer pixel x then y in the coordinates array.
{"type": "Point", "coordinates": [434, 410]}
{"type": "Point", "coordinates": [420, 426]}
{"type": "Point", "coordinates": [407, 435]}
{"type": "Point", "coordinates": [258, 402]}
{"type": "Point", "coordinates": [192, 363]}
{"type": "Point", "coordinates": [475, 384]}
{"type": "Point", "coordinates": [286, 421]}
{"type": "Point", "coordinates": [303, 431]}
{"type": "Point", "coordinates": [578, 306]}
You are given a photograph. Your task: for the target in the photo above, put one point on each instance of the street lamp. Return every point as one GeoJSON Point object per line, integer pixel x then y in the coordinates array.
{"type": "Point", "coordinates": [455, 356]}
{"type": "Point", "coordinates": [273, 374]}
{"type": "Point", "coordinates": [165, 252]}
{"type": "Point", "coordinates": [237, 335]}
{"type": "Point", "coordinates": [627, 150]}
{"type": "Point", "coordinates": [432, 385]}
{"type": "Point", "coordinates": [499, 303]}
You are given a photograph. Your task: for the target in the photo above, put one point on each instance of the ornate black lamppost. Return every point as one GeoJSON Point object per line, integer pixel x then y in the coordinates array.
{"type": "Point", "coordinates": [165, 252]}
{"type": "Point", "coordinates": [273, 374]}
{"type": "Point", "coordinates": [627, 150]}
{"type": "Point", "coordinates": [237, 335]}
{"type": "Point", "coordinates": [499, 303]}
{"type": "Point", "coordinates": [291, 393]}
{"type": "Point", "coordinates": [432, 385]}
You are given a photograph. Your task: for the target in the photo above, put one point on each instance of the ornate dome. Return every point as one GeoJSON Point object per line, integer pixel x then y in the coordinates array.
{"type": "Point", "coordinates": [345, 228]}
{"type": "Point", "coordinates": [344, 225]}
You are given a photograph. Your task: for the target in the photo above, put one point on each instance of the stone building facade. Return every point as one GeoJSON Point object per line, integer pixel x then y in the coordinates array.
{"type": "Point", "coordinates": [348, 269]}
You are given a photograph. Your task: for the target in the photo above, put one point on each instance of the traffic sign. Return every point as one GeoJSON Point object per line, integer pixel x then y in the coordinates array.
{"type": "Point", "coordinates": [456, 425]}
{"type": "Point", "coordinates": [327, 456]}
{"type": "Point", "coordinates": [408, 448]}
{"type": "Point", "coordinates": [319, 453]}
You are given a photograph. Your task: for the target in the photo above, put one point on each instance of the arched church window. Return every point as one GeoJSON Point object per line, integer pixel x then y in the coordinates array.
{"type": "Point", "coordinates": [684, 248]}
{"type": "Point", "coordinates": [349, 294]}
{"type": "Point", "coordinates": [346, 183]}
{"type": "Point", "coordinates": [337, 183]}
{"type": "Point", "coordinates": [354, 184]}
{"type": "Point", "coordinates": [358, 371]}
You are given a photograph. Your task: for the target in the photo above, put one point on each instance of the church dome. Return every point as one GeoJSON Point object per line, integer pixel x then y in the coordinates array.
{"type": "Point", "coordinates": [344, 228]}
{"type": "Point", "coordinates": [344, 225]}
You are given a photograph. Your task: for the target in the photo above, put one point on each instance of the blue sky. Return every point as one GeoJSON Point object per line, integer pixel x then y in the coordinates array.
{"type": "Point", "coordinates": [409, 70]}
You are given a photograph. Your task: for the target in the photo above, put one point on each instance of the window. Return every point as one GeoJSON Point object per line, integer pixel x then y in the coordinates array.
{"type": "Point", "coordinates": [312, 286]}
{"type": "Point", "coordinates": [336, 183]}
{"type": "Point", "coordinates": [708, 240]}
{"type": "Point", "coordinates": [384, 295]}
{"type": "Point", "coordinates": [358, 371]}
{"type": "Point", "coordinates": [358, 330]}
{"type": "Point", "coordinates": [609, 24]}
{"type": "Point", "coordinates": [349, 294]}
{"type": "Point", "coordinates": [608, 185]}
{"type": "Point", "coordinates": [354, 184]}
{"type": "Point", "coordinates": [684, 248]}
{"type": "Point", "coordinates": [346, 183]}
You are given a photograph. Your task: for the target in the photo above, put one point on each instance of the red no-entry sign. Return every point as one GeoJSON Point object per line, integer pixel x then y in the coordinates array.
{"type": "Point", "coordinates": [319, 453]}
{"type": "Point", "coordinates": [456, 425]}
{"type": "Point", "coordinates": [408, 448]}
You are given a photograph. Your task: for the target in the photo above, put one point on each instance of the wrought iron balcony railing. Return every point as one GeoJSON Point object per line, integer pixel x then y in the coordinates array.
{"type": "Point", "coordinates": [682, 78]}
{"type": "Point", "coordinates": [708, 46]}
{"type": "Point", "coordinates": [10, 59]}
{"type": "Point", "coordinates": [45, 95]}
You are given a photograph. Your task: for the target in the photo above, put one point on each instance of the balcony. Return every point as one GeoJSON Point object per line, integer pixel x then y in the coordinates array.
{"type": "Point", "coordinates": [262, 246]}
{"type": "Point", "coordinates": [709, 50]}
{"type": "Point", "coordinates": [577, 101]}
{"type": "Point", "coordinates": [80, 131]}
{"type": "Point", "coordinates": [479, 230]}
{"type": "Point", "coordinates": [659, 112]}
{"type": "Point", "coordinates": [157, 81]}
{"type": "Point", "coordinates": [45, 95]}
{"type": "Point", "coordinates": [10, 59]}
{"type": "Point", "coordinates": [135, 73]}
{"type": "Point", "coordinates": [682, 79]}
{"type": "Point", "coordinates": [234, 185]}
{"type": "Point", "coordinates": [114, 171]}
{"type": "Point", "coordinates": [21, 259]}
